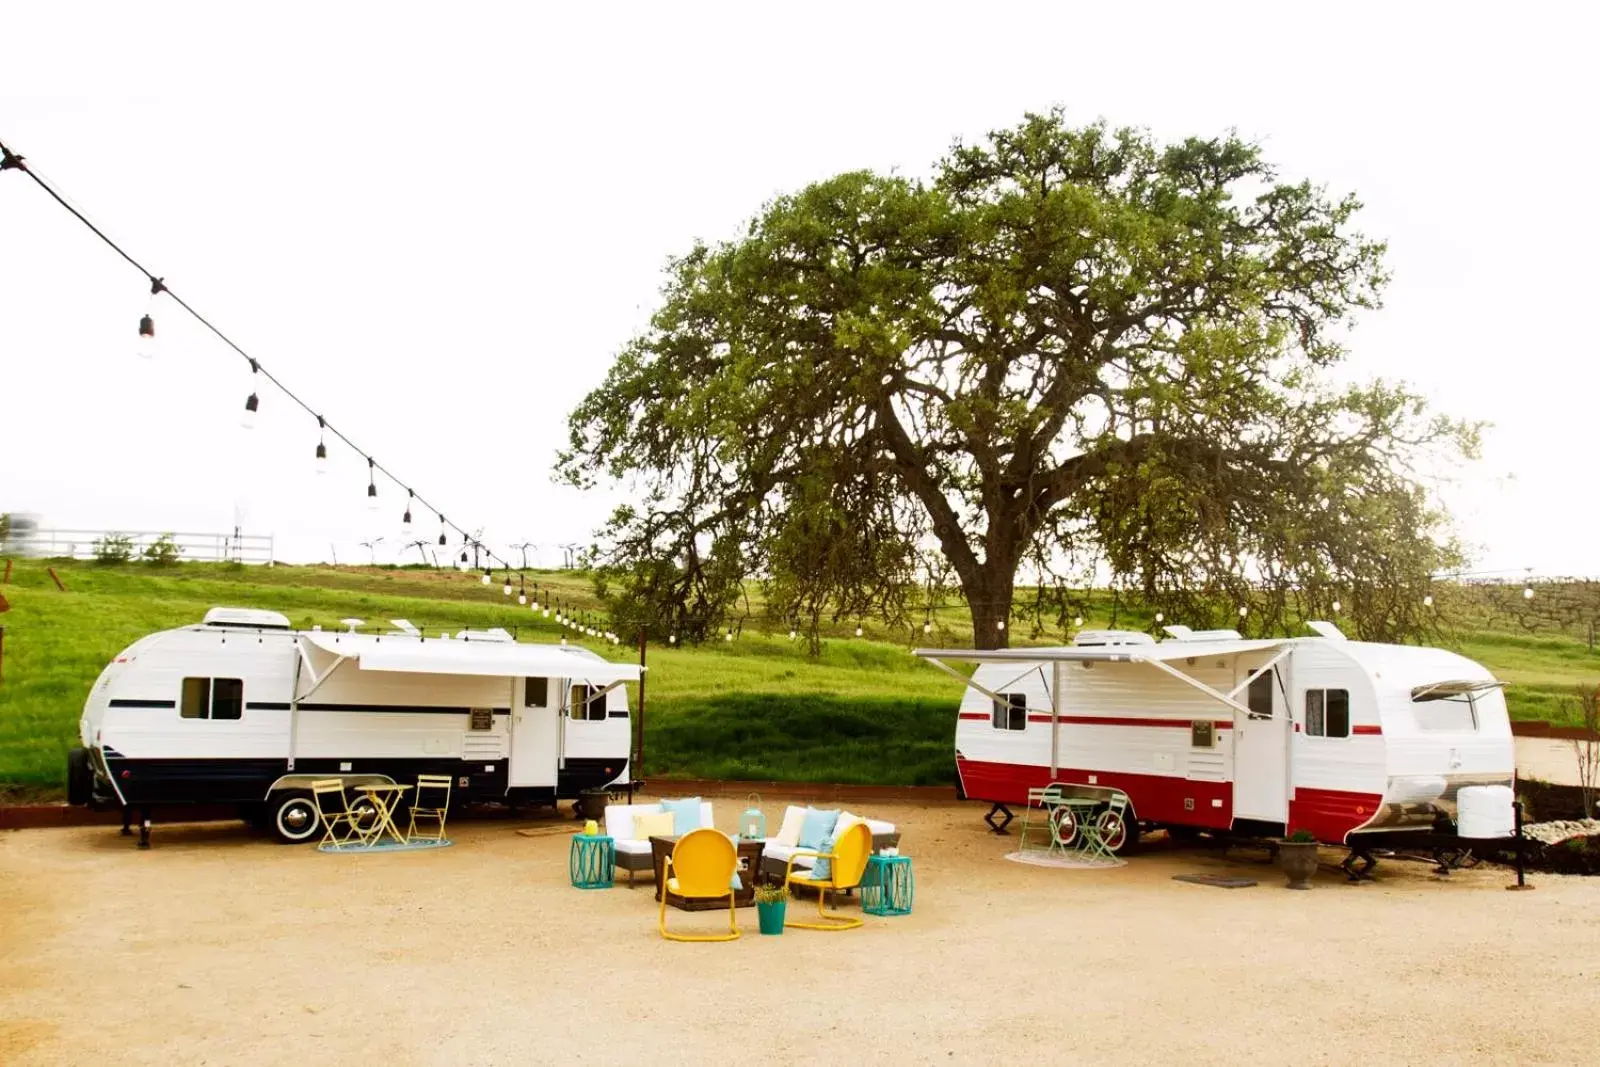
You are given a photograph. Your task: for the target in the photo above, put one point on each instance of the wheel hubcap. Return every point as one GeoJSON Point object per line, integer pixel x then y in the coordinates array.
{"type": "Point", "coordinates": [296, 818]}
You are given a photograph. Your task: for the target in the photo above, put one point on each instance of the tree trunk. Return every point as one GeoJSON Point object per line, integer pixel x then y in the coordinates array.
{"type": "Point", "coordinates": [989, 599]}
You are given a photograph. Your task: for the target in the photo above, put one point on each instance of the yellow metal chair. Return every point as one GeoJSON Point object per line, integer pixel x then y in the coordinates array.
{"type": "Point", "coordinates": [847, 863]}
{"type": "Point", "coordinates": [701, 866]}
{"type": "Point", "coordinates": [432, 801]}
{"type": "Point", "coordinates": [340, 822]}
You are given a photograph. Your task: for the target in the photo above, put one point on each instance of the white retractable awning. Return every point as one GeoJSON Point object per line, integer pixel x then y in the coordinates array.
{"type": "Point", "coordinates": [1162, 652]}
{"type": "Point", "coordinates": [410, 655]}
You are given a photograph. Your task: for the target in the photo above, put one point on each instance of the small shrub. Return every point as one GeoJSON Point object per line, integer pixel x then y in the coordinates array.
{"type": "Point", "coordinates": [771, 894]}
{"type": "Point", "coordinates": [113, 548]}
{"type": "Point", "coordinates": [162, 552]}
{"type": "Point", "coordinates": [1300, 837]}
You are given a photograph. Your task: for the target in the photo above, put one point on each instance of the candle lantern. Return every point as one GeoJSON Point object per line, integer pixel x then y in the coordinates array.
{"type": "Point", "coordinates": [753, 824]}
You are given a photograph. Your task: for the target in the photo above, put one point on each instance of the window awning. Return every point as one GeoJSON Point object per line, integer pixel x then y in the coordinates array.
{"type": "Point", "coordinates": [1161, 652]}
{"type": "Point", "coordinates": [409, 655]}
{"type": "Point", "coordinates": [1455, 688]}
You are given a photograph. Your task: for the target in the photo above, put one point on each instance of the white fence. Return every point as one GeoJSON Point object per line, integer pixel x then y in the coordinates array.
{"type": "Point", "coordinates": [197, 547]}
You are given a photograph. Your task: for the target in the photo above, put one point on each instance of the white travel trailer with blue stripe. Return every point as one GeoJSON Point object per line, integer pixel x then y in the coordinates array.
{"type": "Point", "coordinates": [244, 710]}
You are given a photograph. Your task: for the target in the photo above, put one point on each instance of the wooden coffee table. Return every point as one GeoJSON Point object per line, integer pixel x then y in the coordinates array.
{"type": "Point", "coordinates": [749, 870]}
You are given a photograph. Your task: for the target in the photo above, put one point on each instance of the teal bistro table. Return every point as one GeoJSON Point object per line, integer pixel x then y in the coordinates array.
{"type": "Point", "coordinates": [592, 860]}
{"type": "Point", "coordinates": [887, 886]}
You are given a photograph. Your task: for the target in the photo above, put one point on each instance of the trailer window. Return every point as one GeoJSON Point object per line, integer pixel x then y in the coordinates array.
{"type": "Point", "coordinates": [536, 692]}
{"type": "Point", "coordinates": [1328, 712]}
{"type": "Point", "coordinates": [586, 703]}
{"type": "Point", "coordinates": [212, 698]}
{"type": "Point", "coordinates": [1458, 714]}
{"type": "Point", "coordinates": [1011, 712]}
{"type": "Point", "coordinates": [1259, 698]}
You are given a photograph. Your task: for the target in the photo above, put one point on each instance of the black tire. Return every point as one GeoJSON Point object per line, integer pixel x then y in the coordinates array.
{"type": "Point", "coordinates": [80, 776]}
{"type": "Point", "coordinates": [292, 817]}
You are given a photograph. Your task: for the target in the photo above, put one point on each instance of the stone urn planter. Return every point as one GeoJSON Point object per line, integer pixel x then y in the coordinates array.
{"type": "Point", "coordinates": [1299, 862]}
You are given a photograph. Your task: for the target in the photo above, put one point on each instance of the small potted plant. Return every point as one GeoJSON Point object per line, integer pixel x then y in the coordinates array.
{"type": "Point", "coordinates": [771, 902]}
{"type": "Point", "coordinates": [1297, 855]}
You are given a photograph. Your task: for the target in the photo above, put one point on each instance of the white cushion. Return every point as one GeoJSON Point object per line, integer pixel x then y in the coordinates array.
{"type": "Point", "coordinates": [880, 827]}
{"type": "Point", "coordinates": [846, 820]}
{"type": "Point", "coordinates": [774, 849]}
{"type": "Point", "coordinates": [705, 814]}
{"type": "Point", "coordinates": [789, 833]}
{"type": "Point", "coordinates": [632, 846]}
{"type": "Point", "coordinates": [619, 819]}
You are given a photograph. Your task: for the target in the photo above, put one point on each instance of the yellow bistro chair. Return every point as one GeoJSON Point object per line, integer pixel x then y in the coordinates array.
{"type": "Point", "coordinates": [340, 822]}
{"type": "Point", "coordinates": [847, 863]}
{"type": "Point", "coordinates": [701, 866]}
{"type": "Point", "coordinates": [432, 802]}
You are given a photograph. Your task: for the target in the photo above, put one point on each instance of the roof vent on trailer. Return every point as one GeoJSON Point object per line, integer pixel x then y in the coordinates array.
{"type": "Point", "coordinates": [251, 617]}
{"type": "Point", "coordinates": [1183, 633]}
{"type": "Point", "coordinates": [1101, 638]}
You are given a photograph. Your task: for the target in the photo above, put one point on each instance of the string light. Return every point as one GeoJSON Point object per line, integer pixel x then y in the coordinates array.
{"type": "Point", "coordinates": [1160, 617]}
{"type": "Point", "coordinates": [441, 530]}
{"type": "Point", "coordinates": [1243, 611]}
{"type": "Point", "coordinates": [729, 635]}
{"type": "Point", "coordinates": [322, 449]}
{"type": "Point", "coordinates": [927, 626]}
{"type": "Point", "coordinates": [147, 324]}
{"type": "Point", "coordinates": [1527, 592]}
{"type": "Point", "coordinates": [1336, 606]}
{"type": "Point", "coordinates": [148, 344]}
{"type": "Point", "coordinates": [506, 589]}
{"type": "Point", "coordinates": [1001, 626]}
{"type": "Point", "coordinates": [672, 639]}
{"type": "Point", "coordinates": [405, 520]}
{"type": "Point", "coordinates": [792, 635]}
{"type": "Point", "coordinates": [1078, 621]}
{"type": "Point", "coordinates": [251, 402]}
{"type": "Point", "coordinates": [487, 577]}
{"type": "Point", "coordinates": [1427, 601]}
{"type": "Point", "coordinates": [372, 485]}
{"type": "Point", "coordinates": [858, 629]}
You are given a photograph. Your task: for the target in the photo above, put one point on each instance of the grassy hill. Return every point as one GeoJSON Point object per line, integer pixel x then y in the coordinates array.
{"type": "Point", "coordinates": [757, 707]}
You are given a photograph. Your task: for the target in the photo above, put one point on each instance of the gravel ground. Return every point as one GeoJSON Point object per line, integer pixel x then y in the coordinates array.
{"type": "Point", "coordinates": [219, 947]}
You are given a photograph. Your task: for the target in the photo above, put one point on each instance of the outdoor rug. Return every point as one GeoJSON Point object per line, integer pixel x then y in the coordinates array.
{"type": "Point", "coordinates": [386, 846]}
{"type": "Point", "coordinates": [1068, 861]}
{"type": "Point", "coordinates": [1222, 881]}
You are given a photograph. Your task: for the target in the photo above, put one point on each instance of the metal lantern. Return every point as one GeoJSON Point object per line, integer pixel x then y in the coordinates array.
{"type": "Point", "coordinates": [753, 824]}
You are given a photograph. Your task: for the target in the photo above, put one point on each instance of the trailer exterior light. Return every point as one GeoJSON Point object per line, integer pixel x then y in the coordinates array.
{"type": "Point", "coordinates": [147, 338]}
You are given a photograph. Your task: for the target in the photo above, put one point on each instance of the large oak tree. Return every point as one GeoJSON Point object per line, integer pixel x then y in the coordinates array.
{"type": "Point", "coordinates": [1071, 350]}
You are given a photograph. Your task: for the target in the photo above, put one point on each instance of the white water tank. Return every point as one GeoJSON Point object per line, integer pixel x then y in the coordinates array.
{"type": "Point", "coordinates": [1484, 811]}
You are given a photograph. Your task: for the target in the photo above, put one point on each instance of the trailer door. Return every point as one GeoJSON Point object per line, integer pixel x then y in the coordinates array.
{"type": "Point", "coordinates": [535, 733]}
{"type": "Point", "coordinates": [1261, 742]}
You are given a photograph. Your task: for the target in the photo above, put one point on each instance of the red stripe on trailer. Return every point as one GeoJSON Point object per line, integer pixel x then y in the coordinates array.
{"type": "Point", "coordinates": [1155, 797]}
{"type": "Point", "coordinates": [1363, 731]}
{"type": "Point", "coordinates": [1331, 814]}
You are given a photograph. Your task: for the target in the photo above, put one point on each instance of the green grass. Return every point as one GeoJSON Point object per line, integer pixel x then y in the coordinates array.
{"type": "Point", "coordinates": [864, 710]}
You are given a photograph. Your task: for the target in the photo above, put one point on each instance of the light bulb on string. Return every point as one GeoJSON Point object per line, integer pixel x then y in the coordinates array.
{"type": "Point", "coordinates": [506, 589]}
{"type": "Point", "coordinates": [1001, 626]}
{"type": "Point", "coordinates": [372, 485]}
{"type": "Point", "coordinates": [859, 630]}
{"type": "Point", "coordinates": [728, 636]}
{"type": "Point", "coordinates": [251, 403]}
{"type": "Point", "coordinates": [1078, 621]}
{"type": "Point", "coordinates": [1160, 617]}
{"type": "Point", "coordinates": [672, 639]}
{"type": "Point", "coordinates": [322, 447]}
{"type": "Point", "coordinates": [441, 532]}
{"type": "Point", "coordinates": [1243, 611]}
{"type": "Point", "coordinates": [147, 324]}
{"type": "Point", "coordinates": [1527, 592]}
{"type": "Point", "coordinates": [405, 520]}
{"type": "Point", "coordinates": [522, 590]}
{"type": "Point", "coordinates": [1427, 601]}
{"type": "Point", "coordinates": [927, 626]}
{"type": "Point", "coordinates": [1336, 607]}
{"type": "Point", "coordinates": [792, 635]}
{"type": "Point", "coordinates": [487, 577]}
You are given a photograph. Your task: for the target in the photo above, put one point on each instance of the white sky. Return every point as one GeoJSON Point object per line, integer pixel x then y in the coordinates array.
{"type": "Point", "coordinates": [440, 222]}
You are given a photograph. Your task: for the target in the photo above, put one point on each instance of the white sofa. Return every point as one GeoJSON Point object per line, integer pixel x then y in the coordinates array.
{"type": "Point", "coordinates": [633, 853]}
{"type": "Point", "coordinates": [776, 853]}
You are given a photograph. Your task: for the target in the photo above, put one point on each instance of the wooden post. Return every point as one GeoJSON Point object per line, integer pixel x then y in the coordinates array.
{"type": "Point", "coordinates": [54, 577]}
{"type": "Point", "coordinates": [637, 771]}
{"type": "Point", "coordinates": [8, 582]}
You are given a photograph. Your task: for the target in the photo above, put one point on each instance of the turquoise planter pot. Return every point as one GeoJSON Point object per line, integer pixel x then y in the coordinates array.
{"type": "Point", "coordinates": [771, 916]}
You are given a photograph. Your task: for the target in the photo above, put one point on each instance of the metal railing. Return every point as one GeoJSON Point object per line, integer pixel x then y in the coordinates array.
{"type": "Point", "coordinates": [192, 547]}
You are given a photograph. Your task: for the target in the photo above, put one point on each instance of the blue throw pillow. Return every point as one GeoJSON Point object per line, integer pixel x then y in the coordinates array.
{"type": "Point", "coordinates": [824, 867]}
{"type": "Point", "coordinates": [818, 827]}
{"type": "Point", "coordinates": [737, 883]}
{"type": "Point", "coordinates": [685, 814]}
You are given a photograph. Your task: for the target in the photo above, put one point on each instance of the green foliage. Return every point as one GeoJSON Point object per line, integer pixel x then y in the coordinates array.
{"type": "Point", "coordinates": [113, 548]}
{"type": "Point", "coordinates": [766, 893]}
{"type": "Point", "coordinates": [162, 552]}
{"type": "Point", "coordinates": [1070, 347]}
{"type": "Point", "coordinates": [1301, 837]}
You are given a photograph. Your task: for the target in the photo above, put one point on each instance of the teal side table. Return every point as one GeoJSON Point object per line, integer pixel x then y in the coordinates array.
{"type": "Point", "coordinates": [592, 861]}
{"type": "Point", "coordinates": [887, 886]}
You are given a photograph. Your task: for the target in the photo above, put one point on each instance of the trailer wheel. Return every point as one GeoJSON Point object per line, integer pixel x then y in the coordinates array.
{"type": "Point", "coordinates": [294, 817]}
{"type": "Point", "coordinates": [1065, 825]}
{"type": "Point", "coordinates": [1120, 832]}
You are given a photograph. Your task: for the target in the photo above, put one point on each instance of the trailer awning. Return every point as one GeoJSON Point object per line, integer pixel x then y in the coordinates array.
{"type": "Point", "coordinates": [1154, 653]}
{"type": "Point", "coordinates": [1451, 689]}
{"type": "Point", "coordinates": [409, 655]}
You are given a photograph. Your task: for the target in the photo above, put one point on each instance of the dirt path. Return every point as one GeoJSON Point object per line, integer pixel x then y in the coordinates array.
{"type": "Point", "coordinates": [218, 947]}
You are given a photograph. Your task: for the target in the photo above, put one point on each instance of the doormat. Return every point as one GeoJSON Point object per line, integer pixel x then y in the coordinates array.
{"type": "Point", "coordinates": [1218, 880]}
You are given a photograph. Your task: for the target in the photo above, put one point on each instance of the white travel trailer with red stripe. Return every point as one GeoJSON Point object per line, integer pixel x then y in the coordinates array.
{"type": "Point", "coordinates": [1212, 732]}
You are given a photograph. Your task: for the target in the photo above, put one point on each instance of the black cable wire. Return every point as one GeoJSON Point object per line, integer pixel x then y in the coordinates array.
{"type": "Point", "coordinates": [9, 160]}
